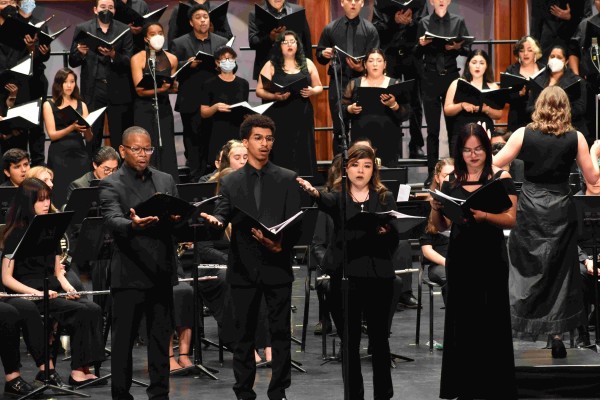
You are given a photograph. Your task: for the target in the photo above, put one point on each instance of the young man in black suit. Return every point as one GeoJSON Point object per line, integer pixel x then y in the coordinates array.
{"type": "Point", "coordinates": [262, 41]}
{"type": "Point", "coordinates": [105, 72]}
{"type": "Point", "coordinates": [143, 267]}
{"type": "Point", "coordinates": [186, 47]}
{"type": "Point", "coordinates": [176, 31]}
{"type": "Point", "coordinates": [258, 266]}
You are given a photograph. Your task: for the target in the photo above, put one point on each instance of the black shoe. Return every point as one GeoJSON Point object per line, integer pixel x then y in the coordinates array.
{"type": "Point", "coordinates": [416, 152]}
{"type": "Point", "coordinates": [408, 301]}
{"type": "Point", "coordinates": [54, 379]}
{"type": "Point", "coordinates": [75, 383]}
{"type": "Point", "coordinates": [17, 387]}
{"type": "Point", "coordinates": [558, 349]}
{"type": "Point", "coordinates": [319, 328]}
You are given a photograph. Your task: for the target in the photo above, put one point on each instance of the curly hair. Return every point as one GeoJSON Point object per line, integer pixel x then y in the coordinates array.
{"type": "Point", "coordinates": [277, 54]}
{"type": "Point", "coordinates": [552, 112]}
{"type": "Point", "coordinates": [537, 49]}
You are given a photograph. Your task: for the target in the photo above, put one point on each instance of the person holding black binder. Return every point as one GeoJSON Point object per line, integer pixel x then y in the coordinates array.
{"type": "Point", "coordinates": [67, 154]}
{"type": "Point", "coordinates": [155, 60]}
{"type": "Point", "coordinates": [259, 265]}
{"type": "Point", "coordinates": [263, 41]}
{"type": "Point", "coordinates": [355, 36]}
{"type": "Point", "coordinates": [140, 7]}
{"type": "Point", "coordinates": [476, 252]}
{"type": "Point", "coordinates": [143, 267]}
{"type": "Point", "coordinates": [288, 65]}
{"type": "Point", "coordinates": [179, 26]}
{"type": "Point", "coordinates": [380, 121]}
{"type": "Point", "coordinates": [370, 269]}
{"type": "Point", "coordinates": [81, 316]}
{"type": "Point", "coordinates": [105, 71]}
{"type": "Point", "coordinates": [478, 73]}
{"type": "Point", "coordinates": [546, 292]}
{"type": "Point", "coordinates": [195, 138]}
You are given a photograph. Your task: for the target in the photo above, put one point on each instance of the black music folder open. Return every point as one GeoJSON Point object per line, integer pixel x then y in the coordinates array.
{"type": "Point", "coordinates": [573, 90]}
{"type": "Point", "coordinates": [443, 40]}
{"type": "Point", "coordinates": [491, 198]}
{"type": "Point", "coordinates": [93, 42]}
{"type": "Point", "coordinates": [293, 87]}
{"type": "Point", "coordinates": [19, 72]}
{"type": "Point", "coordinates": [23, 116]}
{"type": "Point", "coordinates": [266, 22]}
{"type": "Point", "coordinates": [69, 115]}
{"type": "Point", "coordinates": [392, 6]}
{"type": "Point", "coordinates": [371, 221]}
{"type": "Point", "coordinates": [163, 205]}
{"type": "Point", "coordinates": [128, 15]}
{"type": "Point", "coordinates": [243, 220]}
{"type": "Point", "coordinates": [345, 54]}
{"type": "Point", "coordinates": [369, 98]}
{"type": "Point", "coordinates": [495, 98]}
{"type": "Point", "coordinates": [47, 38]}
{"type": "Point", "coordinates": [246, 108]}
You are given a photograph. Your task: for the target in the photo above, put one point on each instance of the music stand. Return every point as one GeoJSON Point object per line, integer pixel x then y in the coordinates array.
{"type": "Point", "coordinates": [83, 201]}
{"type": "Point", "coordinates": [7, 193]}
{"type": "Point", "coordinates": [194, 192]}
{"type": "Point", "coordinates": [399, 174]}
{"type": "Point", "coordinates": [41, 239]}
{"type": "Point", "coordinates": [588, 222]}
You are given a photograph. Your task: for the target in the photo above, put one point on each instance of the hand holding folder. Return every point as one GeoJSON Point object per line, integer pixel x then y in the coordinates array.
{"type": "Point", "coordinates": [244, 221]}
{"type": "Point", "coordinates": [495, 98]}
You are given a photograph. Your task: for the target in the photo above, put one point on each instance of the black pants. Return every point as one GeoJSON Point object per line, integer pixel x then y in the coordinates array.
{"type": "Point", "coordinates": [120, 117]}
{"type": "Point", "coordinates": [335, 114]}
{"type": "Point", "coordinates": [246, 303]}
{"type": "Point", "coordinates": [434, 87]}
{"type": "Point", "coordinates": [32, 325]}
{"type": "Point", "coordinates": [372, 296]}
{"type": "Point", "coordinates": [195, 146]}
{"type": "Point", "coordinates": [128, 307]}
{"type": "Point", "coordinates": [9, 338]}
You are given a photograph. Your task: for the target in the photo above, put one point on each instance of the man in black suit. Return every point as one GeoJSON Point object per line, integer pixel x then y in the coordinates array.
{"type": "Point", "coordinates": [185, 48]}
{"type": "Point", "coordinates": [256, 265]}
{"type": "Point", "coordinates": [105, 72]}
{"type": "Point", "coordinates": [143, 266]}
{"type": "Point", "coordinates": [220, 28]}
{"type": "Point", "coordinates": [262, 41]}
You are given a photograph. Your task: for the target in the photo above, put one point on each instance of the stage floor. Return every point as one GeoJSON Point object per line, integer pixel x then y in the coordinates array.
{"type": "Point", "coordinates": [418, 380]}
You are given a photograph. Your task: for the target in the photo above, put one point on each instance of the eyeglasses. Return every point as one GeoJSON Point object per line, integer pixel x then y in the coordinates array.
{"type": "Point", "coordinates": [260, 138]}
{"type": "Point", "coordinates": [109, 170]}
{"type": "Point", "coordinates": [477, 150]}
{"type": "Point", "coordinates": [290, 42]}
{"type": "Point", "coordinates": [137, 150]}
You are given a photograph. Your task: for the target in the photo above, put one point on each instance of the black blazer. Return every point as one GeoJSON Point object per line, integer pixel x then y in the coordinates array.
{"type": "Point", "coordinates": [249, 262]}
{"type": "Point", "coordinates": [141, 259]}
{"type": "Point", "coordinates": [190, 82]}
{"type": "Point", "coordinates": [119, 78]}
{"type": "Point", "coordinates": [369, 254]}
{"type": "Point", "coordinates": [84, 181]}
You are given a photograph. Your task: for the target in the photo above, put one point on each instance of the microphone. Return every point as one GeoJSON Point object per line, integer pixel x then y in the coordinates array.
{"type": "Point", "coordinates": [152, 59]}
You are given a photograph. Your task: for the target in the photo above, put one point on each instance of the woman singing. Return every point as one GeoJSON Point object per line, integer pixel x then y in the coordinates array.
{"type": "Point", "coordinates": [369, 268]}
{"type": "Point", "coordinates": [477, 280]}
{"type": "Point", "coordinates": [82, 317]}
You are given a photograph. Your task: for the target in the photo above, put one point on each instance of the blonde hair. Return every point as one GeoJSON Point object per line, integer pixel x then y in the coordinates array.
{"type": "Point", "coordinates": [431, 228]}
{"type": "Point", "coordinates": [552, 112]}
{"type": "Point", "coordinates": [35, 172]}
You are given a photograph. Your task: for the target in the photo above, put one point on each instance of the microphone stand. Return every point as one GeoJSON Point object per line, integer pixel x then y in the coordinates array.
{"type": "Point", "coordinates": [152, 68]}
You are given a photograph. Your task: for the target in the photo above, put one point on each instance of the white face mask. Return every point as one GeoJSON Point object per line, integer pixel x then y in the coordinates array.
{"type": "Point", "coordinates": [555, 64]}
{"type": "Point", "coordinates": [156, 42]}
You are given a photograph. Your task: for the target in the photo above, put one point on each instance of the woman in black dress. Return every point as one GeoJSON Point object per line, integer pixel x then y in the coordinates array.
{"type": "Point", "coordinates": [381, 127]}
{"type": "Point", "coordinates": [369, 267]}
{"type": "Point", "coordinates": [292, 112]}
{"type": "Point", "coordinates": [218, 93]}
{"type": "Point", "coordinates": [546, 292]}
{"type": "Point", "coordinates": [477, 279]}
{"type": "Point", "coordinates": [164, 156]}
{"type": "Point", "coordinates": [478, 72]}
{"type": "Point", "coordinates": [67, 154]}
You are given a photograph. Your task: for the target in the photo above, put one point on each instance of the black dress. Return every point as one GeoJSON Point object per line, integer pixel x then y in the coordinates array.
{"type": "Point", "coordinates": [477, 280]}
{"type": "Point", "coordinates": [518, 115]}
{"type": "Point", "coordinates": [294, 146]}
{"type": "Point", "coordinates": [383, 130]}
{"type": "Point", "coordinates": [67, 157]}
{"type": "Point", "coordinates": [463, 118]}
{"type": "Point", "coordinates": [545, 289]}
{"type": "Point", "coordinates": [223, 126]}
{"type": "Point", "coordinates": [164, 157]}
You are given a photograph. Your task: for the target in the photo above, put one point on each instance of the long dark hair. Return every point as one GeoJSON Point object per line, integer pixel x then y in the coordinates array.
{"type": "Point", "coordinates": [488, 75]}
{"type": "Point", "coordinates": [460, 166]}
{"type": "Point", "coordinates": [374, 50]}
{"type": "Point", "coordinates": [277, 54]}
{"type": "Point", "coordinates": [21, 211]}
{"type": "Point", "coordinates": [57, 86]}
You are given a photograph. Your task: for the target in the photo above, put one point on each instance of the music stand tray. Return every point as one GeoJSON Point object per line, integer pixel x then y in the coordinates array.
{"type": "Point", "coordinates": [81, 200]}
{"type": "Point", "coordinates": [90, 240]}
{"type": "Point", "coordinates": [194, 192]}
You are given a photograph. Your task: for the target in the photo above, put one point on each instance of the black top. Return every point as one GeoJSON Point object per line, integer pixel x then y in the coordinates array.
{"type": "Point", "coordinates": [216, 90]}
{"type": "Point", "coordinates": [450, 25]}
{"type": "Point", "coordinates": [579, 48]}
{"type": "Point", "coordinates": [395, 37]}
{"type": "Point", "coordinates": [518, 115]}
{"type": "Point", "coordinates": [176, 31]}
{"type": "Point", "coordinates": [438, 241]}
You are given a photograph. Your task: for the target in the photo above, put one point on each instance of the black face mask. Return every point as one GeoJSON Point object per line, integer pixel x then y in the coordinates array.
{"type": "Point", "coordinates": [9, 11]}
{"type": "Point", "coordinates": [105, 16]}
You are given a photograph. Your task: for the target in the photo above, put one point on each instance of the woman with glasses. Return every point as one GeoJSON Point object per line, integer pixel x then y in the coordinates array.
{"type": "Point", "coordinates": [67, 154]}
{"type": "Point", "coordinates": [164, 158]}
{"type": "Point", "coordinates": [292, 111]}
{"type": "Point", "coordinates": [478, 73]}
{"type": "Point", "coordinates": [477, 280]}
{"type": "Point", "coordinates": [380, 125]}
{"type": "Point", "coordinates": [546, 289]}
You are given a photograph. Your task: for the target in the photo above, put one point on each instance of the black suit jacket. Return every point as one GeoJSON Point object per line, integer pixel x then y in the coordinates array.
{"type": "Point", "coordinates": [190, 81]}
{"type": "Point", "coordinates": [119, 78]}
{"type": "Point", "coordinates": [141, 259]}
{"type": "Point", "coordinates": [83, 181]}
{"type": "Point", "coordinates": [261, 42]}
{"type": "Point", "coordinates": [249, 262]}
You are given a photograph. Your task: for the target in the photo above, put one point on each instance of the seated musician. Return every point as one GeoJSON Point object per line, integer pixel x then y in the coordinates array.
{"type": "Point", "coordinates": [105, 161]}
{"type": "Point", "coordinates": [15, 163]}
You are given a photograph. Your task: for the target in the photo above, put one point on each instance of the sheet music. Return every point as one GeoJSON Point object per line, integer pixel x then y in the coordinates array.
{"type": "Point", "coordinates": [29, 111]}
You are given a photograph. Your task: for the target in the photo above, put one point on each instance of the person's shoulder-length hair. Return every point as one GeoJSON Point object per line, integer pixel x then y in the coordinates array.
{"type": "Point", "coordinates": [460, 166]}
{"type": "Point", "coordinates": [552, 113]}
{"type": "Point", "coordinates": [57, 86]}
{"type": "Point", "coordinates": [277, 54]}
{"type": "Point", "coordinates": [488, 75]}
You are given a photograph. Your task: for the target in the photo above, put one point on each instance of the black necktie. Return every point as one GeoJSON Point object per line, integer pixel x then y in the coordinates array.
{"type": "Point", "coordinates": [350, 29]}
{"type": "Point", "coordinates": [257, 187]}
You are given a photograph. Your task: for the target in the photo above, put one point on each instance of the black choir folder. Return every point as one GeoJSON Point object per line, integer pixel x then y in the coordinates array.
{"type": "Point", "coordinates": [17, 73]}
{"type": "Point", "coordinates": [93, 42]}
{"type": "Point", "coordinates": [266, 22]}
{"type": "Point", "coordinates": [163, 205]}
{"type": "Point", "coordinates": [293, 87]}
{"type": "Point", "coordinates": [243, 220]}
{"type": "Point", "coordinates": [70, 115]}
{"type": "Point", "coordinates": [392, 6]}
{"type": "Point", "coordinates": [491, 198]}
{"type": "Point", "coordinates": [495, 98]}
{"type": "Point", "coordinates": [353, 57]}
{"type": "Point", "coordinates": [371, 221]}
{"type": "Point", "coordinates": [370, 97]}
{"type": "Point", "coordinates": [23, 116]}
{"type": "Point", "coordinates": [128, 15]}
{"type": "Point", "coordinates": [573, 90]}
{"type": "Point", "coordinates": [14, 30]}
{"type": "Point", "coordinates": [443, 40]}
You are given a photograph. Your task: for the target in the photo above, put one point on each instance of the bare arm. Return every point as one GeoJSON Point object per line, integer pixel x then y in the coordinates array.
{"type": "Point", "coordinates": [588, 163]}
{"type": "Point", "coordinates": [432, 255]}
